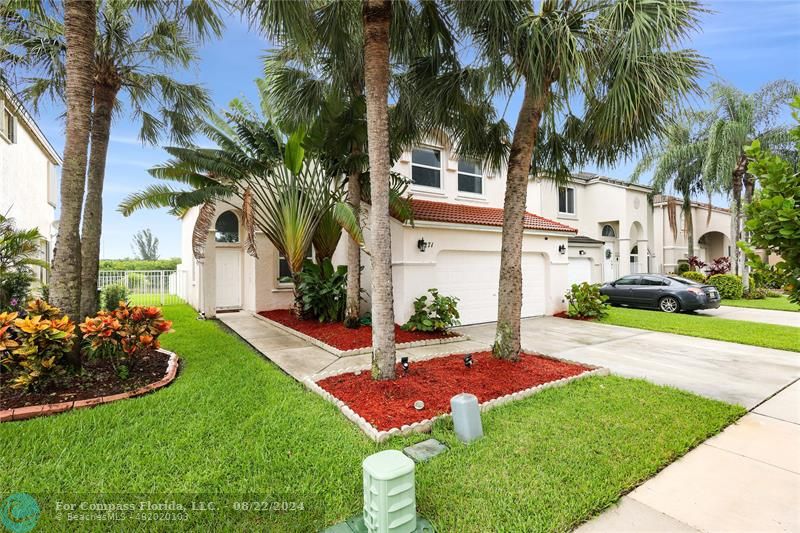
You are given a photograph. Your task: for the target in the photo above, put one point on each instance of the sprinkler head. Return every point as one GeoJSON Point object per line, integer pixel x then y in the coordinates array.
{"type": "Point", "coordinates": [468, 360]}
{"type": "Point", "coordinates": [404, 362]}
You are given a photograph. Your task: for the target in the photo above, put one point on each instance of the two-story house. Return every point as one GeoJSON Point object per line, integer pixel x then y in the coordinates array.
{"type": "Point", "coordinates": [592, 228]}
{"type": "Point", "coordinates": [28, 174]}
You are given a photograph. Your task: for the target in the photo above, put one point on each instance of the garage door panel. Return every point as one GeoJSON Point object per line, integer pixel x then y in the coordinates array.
{"type": "Point", "coordinates": [474, 277]}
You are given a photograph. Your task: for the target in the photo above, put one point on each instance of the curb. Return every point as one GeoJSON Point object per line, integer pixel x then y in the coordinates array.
{"type": "Point", "coordinates": [33, 411]}
{"type": "Point", "coordinates": [424, 426]}
{"type": "Point", "coordinates": [457, 337]}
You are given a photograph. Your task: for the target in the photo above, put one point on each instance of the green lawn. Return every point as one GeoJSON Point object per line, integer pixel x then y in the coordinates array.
{"type": "Point", "coordinates": [233, 426]}
{"type": "Point", "coordinates": [743, 332]}
{"type": "Point", "coordinates": [779, 304]}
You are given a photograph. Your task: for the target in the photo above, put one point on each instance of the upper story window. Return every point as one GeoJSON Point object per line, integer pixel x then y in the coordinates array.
{"type": "Point", "coordinates": [227, 228]}
{"type": "Point", "coordinates": [608, 231]}
{"type": "Point", "coordinates": [52, 184]}
{"type": "Point", "coordinates": [8, 124]}
{"type": "Point", "coordinates": [470, 178]}
{"type": "Point", "coordinates": [426, 167]}
{"type": "Point", "coordinates": [566, 200]}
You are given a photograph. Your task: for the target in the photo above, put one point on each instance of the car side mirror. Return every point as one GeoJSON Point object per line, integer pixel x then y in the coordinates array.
{"type": "Point", "coordinates": [613, 283]}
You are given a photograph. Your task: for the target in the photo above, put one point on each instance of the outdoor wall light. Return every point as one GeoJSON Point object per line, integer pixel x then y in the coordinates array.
{"type": "Point", "coordinates": [468, 360]}
{"type": "Point", "coordinates": [404, 362]}
{"type": "Point", "coordinates": [582, 252]}
{"type": "Point", "coordinates": [423, 245]}
{"type": "Point", "coordinates": [562, 249]}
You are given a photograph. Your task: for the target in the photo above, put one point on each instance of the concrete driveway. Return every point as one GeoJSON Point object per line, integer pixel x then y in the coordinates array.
{"type": "Point", "coordinates": [767, 316]}
{"type": "Point", "coordinates": [734, 373]}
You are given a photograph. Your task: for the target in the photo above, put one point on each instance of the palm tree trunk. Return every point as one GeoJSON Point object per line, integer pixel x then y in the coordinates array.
{"type": "Point", "coordinates": [353, 305]}
{"type": "Point", "coordinates": [736, 211]}
{"type": "Point", "coordinates": [509, 305]}
{"type": "Point", "coordinates": [377, 15]}
{"type": "Point", "coordinates": [104, 98]}
{"type": "Point", "coordinates": [79, 30]}
{"type": "Point", "coordinates": [749, 189]}
{"type": "Point", "coordinates": [688, 222]}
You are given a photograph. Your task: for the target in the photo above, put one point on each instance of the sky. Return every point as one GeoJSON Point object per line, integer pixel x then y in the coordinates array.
{"type": "Point", "coordinates": [748, 42]}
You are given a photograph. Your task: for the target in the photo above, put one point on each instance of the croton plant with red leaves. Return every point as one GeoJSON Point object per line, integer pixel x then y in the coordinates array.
{"type": "Point", "coordinates": [127, 330]}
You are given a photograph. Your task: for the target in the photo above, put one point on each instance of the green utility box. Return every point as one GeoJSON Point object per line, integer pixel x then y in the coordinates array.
{"type": "Point", "coordinates": [390, 504]}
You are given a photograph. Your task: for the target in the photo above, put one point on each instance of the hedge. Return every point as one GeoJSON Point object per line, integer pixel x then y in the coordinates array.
{"type": "Point", "coordinates": [694, 276]}
{"type": "Point", "coordinates": [729, 286]}
{"type": "Point", "coordinates": [139, 264]}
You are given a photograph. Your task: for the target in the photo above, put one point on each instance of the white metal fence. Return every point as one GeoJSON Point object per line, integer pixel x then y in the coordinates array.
{"type": "Point", "coordinates": [148, 287]}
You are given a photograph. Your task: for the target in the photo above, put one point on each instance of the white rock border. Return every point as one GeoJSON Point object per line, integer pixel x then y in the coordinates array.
{"type": "Point", "coordinates": [424, 426]}
{"type": "Point", "coordinates": [457, 337]}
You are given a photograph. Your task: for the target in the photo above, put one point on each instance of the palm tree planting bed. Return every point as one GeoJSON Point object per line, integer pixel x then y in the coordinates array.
{"type": "Point", "coordinates": [340, 340]}
{"type": "Point", "coordinates": [383, 409]}
{"type": "Point", "coordinates": [97, 383]}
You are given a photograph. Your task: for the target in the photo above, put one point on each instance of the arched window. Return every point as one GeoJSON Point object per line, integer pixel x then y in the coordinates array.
{"type": "Point", "coordinates": [227, 227]}
{"type": "Point", "coordinates": [608, 231]}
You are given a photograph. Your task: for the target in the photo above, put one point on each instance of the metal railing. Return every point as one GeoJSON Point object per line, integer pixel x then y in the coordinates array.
{"type": "Point", "coordinates": [148, 287]}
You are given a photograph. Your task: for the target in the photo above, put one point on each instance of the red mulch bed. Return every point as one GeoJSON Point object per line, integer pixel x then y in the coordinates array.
{"type": "Point", "coordinates": [563, 314]}
{"type": "Point", "coordinates": [98, 378]}
{"type": "Point", "coordinates": [337, 335]}
{"type": "Point", "coordinates": [390, 404]}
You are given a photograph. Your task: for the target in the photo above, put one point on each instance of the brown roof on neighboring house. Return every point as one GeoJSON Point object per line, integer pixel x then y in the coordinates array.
{"type": "Point", "coordinates": [482, 216]}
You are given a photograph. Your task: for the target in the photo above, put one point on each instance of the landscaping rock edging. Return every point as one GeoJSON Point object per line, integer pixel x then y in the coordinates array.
{"type": "Point", "coordinates": [458, 337]}
{"type": "Point", "coordinates": [33, 411]}
{"type": "Point", "coordinates": [424, 426]}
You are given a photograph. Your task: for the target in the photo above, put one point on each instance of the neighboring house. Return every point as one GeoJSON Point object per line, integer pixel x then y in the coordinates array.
{"type": "Point", "coordinates": [28, 174]}
{"type": "Point", "coordinates": [593, 229]}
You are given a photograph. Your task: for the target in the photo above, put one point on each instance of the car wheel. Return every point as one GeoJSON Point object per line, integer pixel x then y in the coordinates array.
{"type": "Point", "coordinates": [669, 304]}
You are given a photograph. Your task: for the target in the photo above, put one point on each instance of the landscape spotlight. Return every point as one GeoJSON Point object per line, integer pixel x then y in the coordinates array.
{"type": "Point", "coordinates": [468, 360]}
{"type": "Point", "coordinates": [404, 362]}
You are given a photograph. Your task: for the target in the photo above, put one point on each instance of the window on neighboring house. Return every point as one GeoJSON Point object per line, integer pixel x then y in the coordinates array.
{"type": "Point", "coordinates": [227, 228]}
{"type": "Point", "coordinates": [44, 255]}
{"type": "Point", "coordinates": [566, 200]}
{"type": "Point", "coordinates": [470, 178]}
{"type": "Point", "coordinates": [608, 231]}
{"type": "Point", "coordinates": [8, 124]}
{"type": "Point", "coordinates": [283, 266]}
{"type": "Point", "coordinates": [426, 167]}
{"type": "Point", "coordinates": [52, 184]}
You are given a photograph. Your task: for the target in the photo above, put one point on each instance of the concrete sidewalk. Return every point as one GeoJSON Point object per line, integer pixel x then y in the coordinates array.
{"type": "Point", "coordinates": [766, 316]}
{"type": "Point", "coordinates": [747, 478]}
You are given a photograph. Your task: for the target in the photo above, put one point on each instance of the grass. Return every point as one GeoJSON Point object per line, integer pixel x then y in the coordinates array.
{"type": "Point", "coordinates": [234, 427]}
{"type": "Point", "coordinates": [722, 329]}
{"type": "Point", "coordinates": [781, 303]}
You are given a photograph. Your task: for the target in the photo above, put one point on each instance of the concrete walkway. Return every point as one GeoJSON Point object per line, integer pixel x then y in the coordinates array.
{"type": "Point", "coordinates": [767, 316]}
{"type": "Point", "coordinates": [745, 479]}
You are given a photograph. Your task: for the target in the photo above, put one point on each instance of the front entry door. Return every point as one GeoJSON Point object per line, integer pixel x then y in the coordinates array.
{"type": "Point", "coordinates": [229, 278]}
{"type": "Point", "coordinates": [608, 263]}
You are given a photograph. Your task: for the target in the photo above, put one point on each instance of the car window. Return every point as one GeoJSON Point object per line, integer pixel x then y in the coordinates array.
{"type": "Point", "coordinates": [683, 281]}
{"type": "Point", "coordinates": [651, 280]}
{"type": "Point", "coordinates": [628, 280]}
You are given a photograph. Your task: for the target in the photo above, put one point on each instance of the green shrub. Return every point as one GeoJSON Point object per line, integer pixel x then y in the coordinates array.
{"type": "Point", "coordinates": [439, 313]}
{"type": "Point", "coordinates": [773, 294]}
{"type": "Point", "coordinates": [683, 267]}
{"type": "Point", "coordinates": [112, 295]}
{"type": "Point", "coordinates": [755, 293]}
{"type": "Point", "coordinates": [585, 301]}
{"type": "Point", "coordinates": [729, 286]}
{"type": "Point", "coordinates": [14, 289]}
{"type": "Point", "coordinates": [139, 264]}
{"type": "Point", "coordinates": [322, 290]}
{"type": "Point", "coordinates": [694, 276]}
{"type": "Point", "coordinates": [32, 348]}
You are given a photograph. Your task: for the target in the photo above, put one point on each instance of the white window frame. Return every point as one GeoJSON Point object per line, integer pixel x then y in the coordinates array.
{"type": "Point", "coordinates": [52, 184]}
{"type": "Point", "coordinates": [479, 165]}
{"type": "Point", "coordinates": [278, 258]}
{"type": "Point", "coordinates": [421, 165]}
{"type": "Point", "coordinates": [568, 188]}
{"type": "Point", "coordinates": [5, 112]}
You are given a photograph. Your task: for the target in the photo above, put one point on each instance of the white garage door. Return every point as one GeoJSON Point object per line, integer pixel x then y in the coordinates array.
{"type": "Point", "coordinates": [474, 277]}
{"type": "Point", "coordinates": [579, 270]}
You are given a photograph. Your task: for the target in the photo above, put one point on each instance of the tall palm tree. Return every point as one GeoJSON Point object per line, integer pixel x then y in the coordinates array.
{"type": "Point", "coordinates": [619, 58]}
{"type": "Point", "coordinates": [678, 157]}
{"type": "Point", "coordinates": [740, 119]}
{"type": "Point", "coordinates": [139, 45]}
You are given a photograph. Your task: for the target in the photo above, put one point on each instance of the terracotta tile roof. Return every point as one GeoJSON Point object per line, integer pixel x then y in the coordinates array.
{"type": "Point", "coordinates": [483, 216]}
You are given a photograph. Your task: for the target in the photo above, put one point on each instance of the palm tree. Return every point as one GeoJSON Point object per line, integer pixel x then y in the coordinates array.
{"type": "Point", "coordinates": [678, 160]}
{"type": "Point", "coordinates": [132, 58]}
{"type": "Point", "coordinates": [618, 58]}
{"type": "Point", "coordinates": [282, 192]}
{"type": "Point", "coordinates": [740, 119]}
